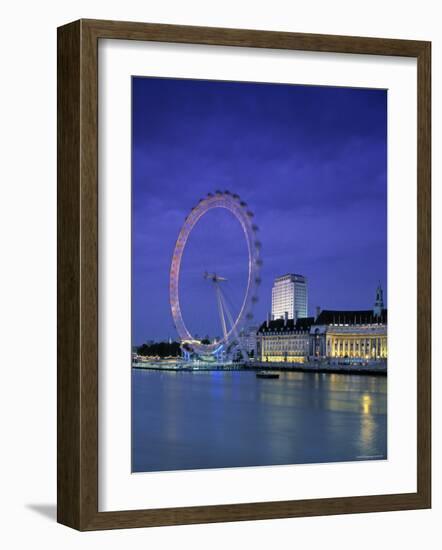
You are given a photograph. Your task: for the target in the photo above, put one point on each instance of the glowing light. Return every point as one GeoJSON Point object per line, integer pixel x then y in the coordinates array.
{"type": "Point", "coordinates": [366, 404]}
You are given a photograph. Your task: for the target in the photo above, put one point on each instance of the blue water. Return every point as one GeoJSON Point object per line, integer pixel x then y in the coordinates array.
{"type": "Point", "coordinates": [190, 420]}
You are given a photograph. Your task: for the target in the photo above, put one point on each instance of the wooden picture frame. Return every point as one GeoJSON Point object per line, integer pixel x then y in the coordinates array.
{"type": "Point", "coordinates": [78, 274]}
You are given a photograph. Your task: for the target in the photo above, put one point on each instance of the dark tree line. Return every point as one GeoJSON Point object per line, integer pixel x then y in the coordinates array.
{"type": "Point", "coordinates": [161, 349]}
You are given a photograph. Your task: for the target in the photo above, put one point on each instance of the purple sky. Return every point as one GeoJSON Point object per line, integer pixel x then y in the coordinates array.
{"type": "Point", "coordinates": [311, 163]}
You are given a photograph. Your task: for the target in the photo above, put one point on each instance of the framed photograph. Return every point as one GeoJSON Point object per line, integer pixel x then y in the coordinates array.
{"type": "Point", "coordinates": [243, 275]}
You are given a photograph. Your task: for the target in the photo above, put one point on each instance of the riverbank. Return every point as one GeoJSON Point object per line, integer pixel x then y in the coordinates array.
{"type": "Point", "coordinates": [319, 366]}
{"type": "Point", "coordinates": [185, 367]}
{"type": "Point", "coordinates": [377, 368]}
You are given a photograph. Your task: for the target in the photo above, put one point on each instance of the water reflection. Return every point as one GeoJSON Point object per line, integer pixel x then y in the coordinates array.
{"type": "Point", "coordinates": [226, 419]}
{"type": "Point", "coordinates": [366, 404]}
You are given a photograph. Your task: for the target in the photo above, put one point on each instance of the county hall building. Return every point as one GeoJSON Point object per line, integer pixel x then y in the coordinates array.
{"type": "Point", "coordinates": [334, 335]}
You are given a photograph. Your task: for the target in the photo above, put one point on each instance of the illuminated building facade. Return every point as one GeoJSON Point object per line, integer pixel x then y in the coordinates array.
{"type": "Point", "coordinates": [355, 335]}
{"type": "Point", "coordinates": [333, 335]}
{"type": "Point", "coordinates": [289, 295]}
{"type": "Point", "coordinates": [284, 340]}
{"type": "Point", "coordinates": [349, 334]}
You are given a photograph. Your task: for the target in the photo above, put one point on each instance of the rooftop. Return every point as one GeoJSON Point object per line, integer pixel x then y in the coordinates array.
{"type": "Point", "coordinates": [303, 323]}
{"type": "Point", "coordinates": [326, 317]}
{"type": "Point", "coordinates": [290, 276]}
{"type": "Point", "coordinates": [352, 317]}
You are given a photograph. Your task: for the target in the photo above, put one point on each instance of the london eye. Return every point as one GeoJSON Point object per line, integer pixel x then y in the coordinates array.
{"type": "Point", "coordinates": [231, 324]}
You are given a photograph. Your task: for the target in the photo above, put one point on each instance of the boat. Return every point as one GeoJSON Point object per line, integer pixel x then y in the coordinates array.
{"type": "Point", "coordinates": [267, 374]}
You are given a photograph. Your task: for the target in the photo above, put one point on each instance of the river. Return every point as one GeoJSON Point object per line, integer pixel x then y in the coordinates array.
{"type": "Point", "coordinates": [192, 420]}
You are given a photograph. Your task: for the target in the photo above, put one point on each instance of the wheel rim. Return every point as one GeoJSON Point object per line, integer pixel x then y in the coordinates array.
{"type": "Point", "coordinates": [239, 209]}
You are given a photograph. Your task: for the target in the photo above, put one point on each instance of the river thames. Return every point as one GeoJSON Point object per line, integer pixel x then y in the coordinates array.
{"type": "Point", "coordinates": [219, 419]}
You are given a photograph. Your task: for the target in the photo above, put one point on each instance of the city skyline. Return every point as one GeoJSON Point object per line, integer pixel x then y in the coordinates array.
{"type": "Point", "coordinates": [374, 305]}
{"type": "Point", "coordinates": [310, 162]}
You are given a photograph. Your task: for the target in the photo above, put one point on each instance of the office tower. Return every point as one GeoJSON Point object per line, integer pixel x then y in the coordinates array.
{"type": "Point", "coordinates": [289, 295]}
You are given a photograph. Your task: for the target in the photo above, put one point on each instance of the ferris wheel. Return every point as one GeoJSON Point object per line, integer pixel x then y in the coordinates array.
{"type": "Point", "coordinates": [231, 325]}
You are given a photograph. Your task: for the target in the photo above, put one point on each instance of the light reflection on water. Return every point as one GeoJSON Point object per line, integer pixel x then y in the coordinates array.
{"type": "Point", "coordinates": [189, 420]}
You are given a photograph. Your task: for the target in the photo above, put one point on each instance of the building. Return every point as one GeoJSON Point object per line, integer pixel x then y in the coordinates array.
{"type": "Point", "coordinates": [284, 340]}
{"type": "Point", "coordinates": [289, 295]}
{"type": "Point", "coordinates": [379, 303]}
{"type": "Point", "coordinates": [354, 335]}
{"type": "Point", "coordinates": [333, 335]}
{"type": "Point", "coordinates": [350, 335]}
{"type": "Point", "coordinates": [248, 340]}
